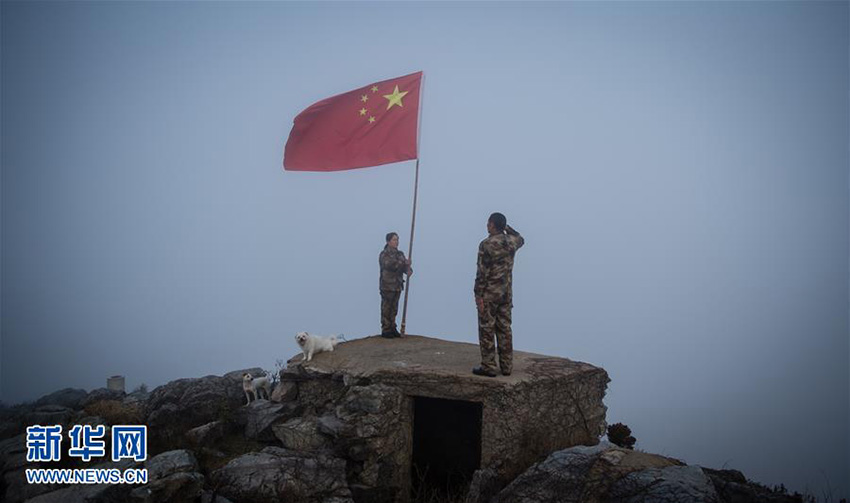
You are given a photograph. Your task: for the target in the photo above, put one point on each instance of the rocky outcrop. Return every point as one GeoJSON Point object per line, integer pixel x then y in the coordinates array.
{"type": "Point", "coordinates": [171, 462]}
{"type": "Point", "coordinates": [68, 397]}
{"type": "Point", "coordinates": [605, 473]}
{"type": "Point", "coordinates": [341, 429]}
{"type": "Point", "coordinates": [261, 415]}
{"type": "Point", "coordinates": [733, 487]}
{"type": "Point", "coordinates": [277, 474]}
{"type": "Point", "coordinates": [181, 405]}
{"type": "Point", "coordinates": [207, 434]}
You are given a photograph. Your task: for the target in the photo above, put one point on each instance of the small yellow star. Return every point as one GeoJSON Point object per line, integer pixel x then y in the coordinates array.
{"type": "Point", "coordinates": [371, 119]}
{"type": "Point", "coordinates": [362, 111]}
{"type": "Point", "coordinates": [364, 98]}
{"type": "Point", "coordinates": [395, 98]}
{"type": "Point", "coordinates": [374, 89]}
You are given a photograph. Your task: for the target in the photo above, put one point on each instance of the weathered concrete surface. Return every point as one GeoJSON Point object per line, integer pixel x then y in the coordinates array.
{"type": "Point", "coordinates": [367, 385]}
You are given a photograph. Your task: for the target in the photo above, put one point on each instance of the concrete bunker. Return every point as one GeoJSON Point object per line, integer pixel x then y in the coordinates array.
{"type": "Point", "coordinates": [391, 408]}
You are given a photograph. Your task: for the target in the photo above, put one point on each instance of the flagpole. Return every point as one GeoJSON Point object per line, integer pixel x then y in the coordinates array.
{"type": "Point", "coordinates": [415, 194]}
{"type": "Point", "coordinates": [410, 248]}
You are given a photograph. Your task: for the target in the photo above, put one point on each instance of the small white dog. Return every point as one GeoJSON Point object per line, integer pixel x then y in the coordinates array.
{"type": "Point", "coordinates": [314, 344]}
{"type": "Point", "coordinates": [253, 385]}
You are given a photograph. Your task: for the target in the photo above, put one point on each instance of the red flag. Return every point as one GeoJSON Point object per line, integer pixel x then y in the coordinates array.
{"type": "Point", "coordinates": [373, 125]}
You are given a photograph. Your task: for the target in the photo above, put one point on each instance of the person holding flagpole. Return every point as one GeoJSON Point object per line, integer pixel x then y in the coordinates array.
{"type": "Point", "coordinates": [391, 282]}
{"type": "Point", "coordinates": [369, 126]}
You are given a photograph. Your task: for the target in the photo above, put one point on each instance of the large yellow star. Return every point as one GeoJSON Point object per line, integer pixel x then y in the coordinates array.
{"type": "Point", "coordinates": [395, 98]}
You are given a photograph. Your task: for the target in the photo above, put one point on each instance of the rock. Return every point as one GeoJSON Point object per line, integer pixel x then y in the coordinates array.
{"type": "Point", "coordinates": [176, 407]}
{"type": "Point", "coordinates": [276, 474]}
{"type": "Point", "coordinates": [175, 488]}
{"type": "Point", "coordinates": [47, 415]}
{"type": "Point", "coordinates": [207, 433]}
{"type": "Point", "coordinates": [733, 487]}
{"type": "Point", "coordinates": [674, 484]}
{"type": "Point", "coordinates": [99, 394]}
{"type": "Point", "coordinates": [559, 478]}
{"type": "Point", "coordinates": [285, 392]}
{"type": "Point", "coordinates": [259, 416]}
{"type": "Point", "coordinates": [484, 486]}
{"type": "Point", "coordinates": [596, 473]}
{"type": "Point", "coordinates": [300, 434]}
{"type": "Point", "coordinates": [68, 397]}
{"type": "Point", "coordinates": [137, 398]}
{"type": "Point", "coordinates": [169, 463]}
{"type": "Point", "coordinates": [333, 427]}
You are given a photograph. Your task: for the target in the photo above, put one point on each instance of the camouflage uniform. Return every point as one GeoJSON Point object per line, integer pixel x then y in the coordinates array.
{"type": "Point", "coordinates": [493, 285]}
{"type": "Point", "coordinates": [393, 266]}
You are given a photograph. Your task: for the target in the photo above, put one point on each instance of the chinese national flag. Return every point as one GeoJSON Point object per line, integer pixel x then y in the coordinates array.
{"type": "Point", "coordinates": [375, 124]}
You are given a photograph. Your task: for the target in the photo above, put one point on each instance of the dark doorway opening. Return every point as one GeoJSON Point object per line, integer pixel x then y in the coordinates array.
{"type": "Point", "coordinates": [446, 446]}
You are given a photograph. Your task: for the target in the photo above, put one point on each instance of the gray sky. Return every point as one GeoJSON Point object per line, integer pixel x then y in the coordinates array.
{"type": "Point", "coordinates": [679, 172]}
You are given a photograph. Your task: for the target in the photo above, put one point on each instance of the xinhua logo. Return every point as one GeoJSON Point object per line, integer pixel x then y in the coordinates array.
{"type": "Point", "coordinates": [44, 443]}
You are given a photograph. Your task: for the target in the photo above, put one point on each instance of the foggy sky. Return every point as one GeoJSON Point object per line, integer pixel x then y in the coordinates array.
{"type": "Point", "coordinates": [679, 172]}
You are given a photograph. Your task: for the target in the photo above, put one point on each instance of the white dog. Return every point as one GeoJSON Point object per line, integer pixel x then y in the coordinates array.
{"type": "Point", "coordinates": [314, 344]}
{"type": "Point", "coordinates": [253, 385]}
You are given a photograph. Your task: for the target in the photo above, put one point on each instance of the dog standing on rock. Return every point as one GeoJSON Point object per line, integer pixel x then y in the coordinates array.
{"type": "Point", "coordinates": [252, 385]}
{"type": "Point", "coordinates": [313, 344]}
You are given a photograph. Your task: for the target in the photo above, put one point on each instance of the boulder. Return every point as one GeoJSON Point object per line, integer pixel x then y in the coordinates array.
{"type": "Point", "coordinates": [260, 415]}
{"type": "Point", "coordinates": [285, 392]}
{"type": "Point", "coordinates": [611, 474]}
{"type": "Point", "coordinates": [207, 433]}
{"type": "Point", "coordinates": [68, 397]}
{"type": "Point", "coordinates": [673, 484]}
{"type": "Point", "coordinates": [300, 434]}
{"type": "Point", "coordinates": [277, 474]}
{"type": "Point", "coordinates": [169, 463]}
